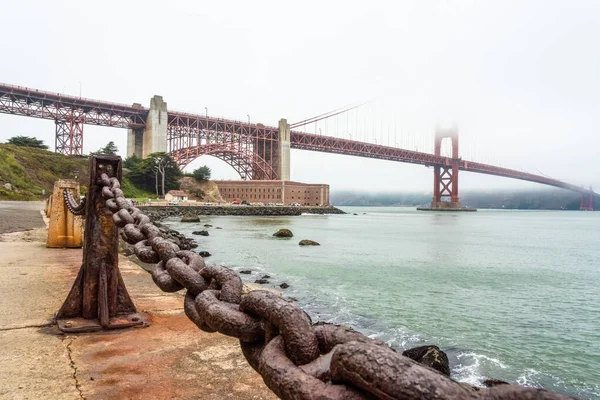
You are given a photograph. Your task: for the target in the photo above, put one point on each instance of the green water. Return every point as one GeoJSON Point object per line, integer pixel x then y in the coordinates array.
{"type": "Point", "coordinates": [512, 295]}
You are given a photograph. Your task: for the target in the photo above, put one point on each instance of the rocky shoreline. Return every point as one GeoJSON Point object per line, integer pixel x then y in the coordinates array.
{"type": "Point", "coordinates": [429, 355]}
{"type": "Point", "coordinates": [159, 212]}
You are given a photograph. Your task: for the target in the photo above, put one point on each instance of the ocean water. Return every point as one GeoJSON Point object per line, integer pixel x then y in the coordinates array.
{"type": "Point", "coordinates": [513, 295]}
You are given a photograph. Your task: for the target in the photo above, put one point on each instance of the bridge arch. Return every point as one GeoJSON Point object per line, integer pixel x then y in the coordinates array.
{"type": "Point", "coordinates": [245, 162]}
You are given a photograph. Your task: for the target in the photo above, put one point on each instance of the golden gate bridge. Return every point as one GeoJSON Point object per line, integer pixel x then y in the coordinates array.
{"type": "Point", "coordinates": [255, 151]}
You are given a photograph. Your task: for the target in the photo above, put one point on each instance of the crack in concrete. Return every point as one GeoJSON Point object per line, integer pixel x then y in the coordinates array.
{"type": "Point", "coordinates": [26, 326]}
{"type": "Point", "coordinates": [74, 368]}
{"type": "Point", "coordinates": [163, 310]}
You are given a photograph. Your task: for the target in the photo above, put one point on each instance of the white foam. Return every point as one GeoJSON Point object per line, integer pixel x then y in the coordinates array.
{"type": "Point", "coordinates": [469, 369]}
{"type": "Point", "coordinates": [528, 378]}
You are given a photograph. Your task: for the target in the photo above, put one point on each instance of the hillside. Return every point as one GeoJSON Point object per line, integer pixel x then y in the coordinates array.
{"type": "Point", "coordinates": [210, 189]}
{"type": "Point", "coordinates": [26, 171]}
{"type": "Point", "coordinates": [540, 199]}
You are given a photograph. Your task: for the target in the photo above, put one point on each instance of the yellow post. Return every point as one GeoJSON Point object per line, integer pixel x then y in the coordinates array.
{"type": "Point", "coordinates": [65, 229]}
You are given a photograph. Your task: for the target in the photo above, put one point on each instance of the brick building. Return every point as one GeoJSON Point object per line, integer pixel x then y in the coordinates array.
{"type": "Point", "coordinates": [286, 192]}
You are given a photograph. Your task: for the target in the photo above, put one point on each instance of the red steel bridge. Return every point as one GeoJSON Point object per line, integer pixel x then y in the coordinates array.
{"type": "Point", "coordinates": [255, 151]}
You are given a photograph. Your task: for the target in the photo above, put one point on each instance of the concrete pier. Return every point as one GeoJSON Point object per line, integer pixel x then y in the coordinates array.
{"type": "Point", "coordinates": [162, 361]}
{"type": "Point", "coordinates": [135, 142]}
{"type": "Point", "coordinates": [153, 138]}
{"type": "Point", "coordinates": [284, 150]}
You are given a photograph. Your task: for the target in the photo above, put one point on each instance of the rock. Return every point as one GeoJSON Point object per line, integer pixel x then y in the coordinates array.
{"type": "Point", "coordinates": [201, 233]}
{"type": "Point", "coordinates": [469, 387]}
{"type": "Point", "coordinates": [283, 233]}
{"type": "Point", "coordinates": [354, 214]}
{"type": "Point", "coordinates": [266, 276]}
{"type": "Point", "coordinates": [193, 245]}
{"type": "Point", "coordinates": [190, 218]}
{"type": "Point", "coordinates": [245, 271]}
{"type": "Point", "coordinates": [306, 242]}
{"type": "Point", "coordinates": [262, 281]}
{"type": "Point", "coordinates": [493, 382]}
{"type": "Point", "coordinates": [8, 186]}
{"type": "Point", "coordinates": [207, 225]}
{"type": "Point", "coordinates": [127, 252]}
{"type": "Point", "coordinates": [176, 241]}
{"type": "Point", "coordinates": [431, 356]}
{"type": "Point", "coordinates": [204, 254]}
{"type": "Point", "coordinates": [218, 227]}
{"type": "Point", "coordinates": [250, 287]}
{"type": "Point", "coordinates": [284, 285]}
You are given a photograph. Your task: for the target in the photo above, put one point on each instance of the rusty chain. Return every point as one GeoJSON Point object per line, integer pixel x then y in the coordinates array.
{"type": "Point", "coordinates": [74, 208]}
{"type": "Point", "coordinates": [296, 359]}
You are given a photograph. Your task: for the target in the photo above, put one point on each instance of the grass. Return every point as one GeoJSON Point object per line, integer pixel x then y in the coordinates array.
{"type": "Point", "coordinates": [132, 191]}
{"type": "Point", "coordinates": [31, 172]}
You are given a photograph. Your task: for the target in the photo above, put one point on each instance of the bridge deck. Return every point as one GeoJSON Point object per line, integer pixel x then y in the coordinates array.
{"type": "Point", "coordinates": [60, 107]}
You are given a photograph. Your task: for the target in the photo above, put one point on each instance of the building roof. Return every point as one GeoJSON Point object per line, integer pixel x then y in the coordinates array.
{"type": "Point", "coordinates": [178, 193]}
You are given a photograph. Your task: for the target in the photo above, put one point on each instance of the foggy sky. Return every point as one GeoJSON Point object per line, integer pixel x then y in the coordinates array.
{"type": "Point", "coordinates": [519, 78]}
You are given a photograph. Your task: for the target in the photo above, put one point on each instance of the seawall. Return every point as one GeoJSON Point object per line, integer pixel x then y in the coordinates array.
{"type": "Point", "coordinates": [160, 212]}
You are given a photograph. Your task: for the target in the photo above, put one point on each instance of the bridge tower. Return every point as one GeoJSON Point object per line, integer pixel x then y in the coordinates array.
{"type": "Point", "coordinates": [153, 137]}
{"type": "Point", "coordinates": [445, 177]}
{"type": "Point", "coordinates": [587, 201]}
{"type": "Point", "coordinates": [69, 134]}
{"type": "Point", "coordinates": [276, 153]}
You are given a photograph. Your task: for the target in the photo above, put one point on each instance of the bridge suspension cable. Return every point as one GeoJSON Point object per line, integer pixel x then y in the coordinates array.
{"type": "Point", "coordinates": [326, 115]}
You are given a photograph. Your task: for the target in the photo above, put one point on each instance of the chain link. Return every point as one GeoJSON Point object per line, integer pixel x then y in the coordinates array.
{"type": "Point", "coordinates": [296, 359]}
{"type": "Point", "coordinates": [74, 208]}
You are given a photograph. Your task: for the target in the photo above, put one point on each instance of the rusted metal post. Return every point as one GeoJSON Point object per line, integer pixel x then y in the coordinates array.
{"type": "Point", "coordinates": [98, 299]}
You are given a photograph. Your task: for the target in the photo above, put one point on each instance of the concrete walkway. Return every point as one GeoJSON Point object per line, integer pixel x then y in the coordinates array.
{"type": "Point", "coordinates": [171, 359]}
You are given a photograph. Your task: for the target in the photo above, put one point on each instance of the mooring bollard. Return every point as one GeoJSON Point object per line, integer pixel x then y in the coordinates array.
{"type": "Point", "coordinates": [98, 299]}
{"type": "Point", "coordinates": [65, 229]}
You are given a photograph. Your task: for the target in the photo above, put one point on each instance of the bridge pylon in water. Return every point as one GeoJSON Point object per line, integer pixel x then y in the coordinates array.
{"type": "Point", "coordinates": [445, 177]}
{"type": "Point", "coordinates": [587, 201]}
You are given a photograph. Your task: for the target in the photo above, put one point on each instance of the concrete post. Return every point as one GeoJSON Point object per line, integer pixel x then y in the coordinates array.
{"type": "Point", "coordinates": [135, 142]}
{"type": "Point", "coordinates": [155, 134]}
{"type": "Point", "coordinates": [284, 150]}
{"type": "Point", "coordinates": [65, 229]}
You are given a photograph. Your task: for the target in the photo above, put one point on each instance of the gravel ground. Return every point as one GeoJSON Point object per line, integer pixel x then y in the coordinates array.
{"type": "Point", "coordinates": [18, 216]}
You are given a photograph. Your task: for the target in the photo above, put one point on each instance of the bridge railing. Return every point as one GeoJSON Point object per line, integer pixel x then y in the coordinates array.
{"type": "Point", "coordinates": [46, 95]}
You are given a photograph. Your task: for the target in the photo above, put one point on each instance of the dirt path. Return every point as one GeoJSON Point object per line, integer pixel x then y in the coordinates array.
{"type": "Point", "coordinates": [16, 216]}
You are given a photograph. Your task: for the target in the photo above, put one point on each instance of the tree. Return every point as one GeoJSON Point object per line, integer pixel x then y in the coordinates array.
{"type": "Point", "coordinates": [158, 172]}
{"type": "Point", "coordinates": [110, 150]}
{"type": "Point", "coordinates": [132, 162]}
{"type": "Point", "coordinates": [27, 141]}
{"type": "Point", "coordinates": [202, 173]}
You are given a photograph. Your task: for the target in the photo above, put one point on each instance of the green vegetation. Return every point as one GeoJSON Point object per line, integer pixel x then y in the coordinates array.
{"type": "Point", "coordinates": [110, 150]}
{"type": "Point", "coordinates": [30, 170]}
{"type": "Point", "coordinates": [157, 173]}
{"type": "Point", "coordinates": [27, 141]}
{"type": "Point", "coordinates": [202, 173]}
{"type": "Point", "coordinates": [134, 192]}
